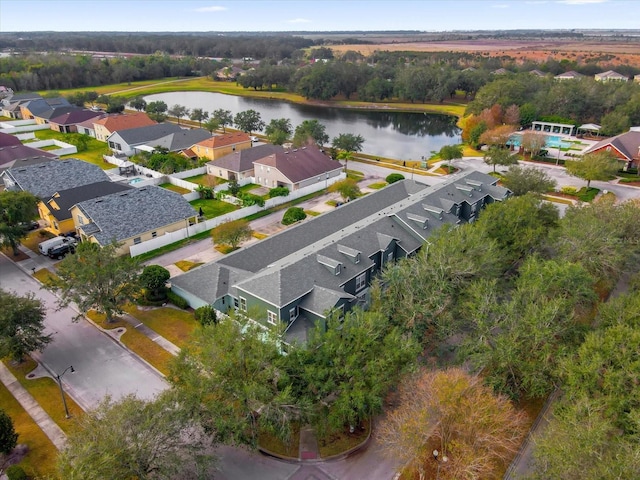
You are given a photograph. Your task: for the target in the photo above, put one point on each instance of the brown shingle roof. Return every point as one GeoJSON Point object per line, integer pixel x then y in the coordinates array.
{"type": "Point", "coordinates": [114, 123]}
{"type": "Point", "coordinates": [626, 143]}
{"type": "Point", "coordinates": [224, 140]}
{"type": "Point", "coordinates": [300, 164]}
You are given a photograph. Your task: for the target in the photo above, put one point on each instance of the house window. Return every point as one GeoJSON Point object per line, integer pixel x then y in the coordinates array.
{"type": "Point", "coordinates": [243, 304]}
{"type": "Point", "coordinates": [80, 220]}
{"type": "Point", "coordinates": [137, 240]}
{"type": "Point", "coordinates": [390, 257]}
{"type": "Point", "coordinates": [293, 314]}
{"type": "Point", "coordinates": [361, 281]}
{"type": "Point", "coordinates": [235, 303]}
{"type": "Point", "coordinates": [272, 317]}
{"type": "Point", "coordinates": [154, 234]}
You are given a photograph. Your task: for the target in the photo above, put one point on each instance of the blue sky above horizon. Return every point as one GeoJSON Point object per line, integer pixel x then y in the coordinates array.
{"type": "Point", "coordinates": [312, 15]}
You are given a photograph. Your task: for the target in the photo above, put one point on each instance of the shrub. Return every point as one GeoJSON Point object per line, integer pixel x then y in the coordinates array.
{"type": "Point", "coordinates": [16, 472]}
{"type": "Point", "coordinates": [293, 215]}
{"type": "Point", "coordinates": [249, 199]}
{"type": "Point", "coordinates": [153, 279]}
{"type": "Point", "coordinates": [587, 194]}
{"type": "Point", "coordinates": [279, 192]}
{"type": "Point", "coordinates": [569, 190]}
{"type": "Point", "coordinates": [206, 315]}
{"type": "Point", "coordinates": [177, 300]}
{"type": "Point", "coordinates": [394, 177]}
{"type": "Point", "coordinates": [205, 192]}
{"type": "Point", "coordinates": [8, 435]}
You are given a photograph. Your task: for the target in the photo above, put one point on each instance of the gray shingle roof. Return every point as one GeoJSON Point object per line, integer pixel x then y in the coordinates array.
{"type": "Point", "coordinates": [44, 179]}
{"type": "Point", "coordinates": [301, 163]}
{"type": "Point", "coordinates": [140, 135]}
{"type": "Point", "coordinates": [181, 140]}
{"type": "Point", "coordinates": [131, 213]}
{"type": "Point", "coordinates": [65, 199]}
{"type": "Point", "coordinates": [242, 161]}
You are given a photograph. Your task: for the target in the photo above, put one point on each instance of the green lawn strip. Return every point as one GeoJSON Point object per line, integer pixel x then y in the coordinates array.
{"type": "Point", "coordinates": [107, 89]}
{"type": "Point", "coordinates": [248, 187]}
{"type": "Point", "coordinates": [355, 175]}
{"type": "Point", "coordinates": [377, 185]}
{"type": "Point", "coordinates": [45, 276]}
{"type": "Point", "coordinates": [186, 265]}
{"type": "Point", "coordinates": [312, 213]}
{"type": "Point", "coordinates": [41, 457]}
{"type": "Point", "coordinates": [212, 207]}
{"type": "Point", "coordinates": [339, 442]}
{"type": "Point", "coordinates": [203, 179]}
{"type": "Point", "coordinates": [174, 325]}
{"type": "Point", "coordinates": [587, 194]}
{"type": "Point", "coordinates": [138, 343]}
{"type": "Point", "coordinates": [174, 188]}
{"type": "Point", "coordinates": [93, 154]}
{"type": "Point", "coordinates": [273, 444]}
{"type": "Point", "coordinates": [47, 393]}
{"type": "Point", "coordinates": [553, 199]}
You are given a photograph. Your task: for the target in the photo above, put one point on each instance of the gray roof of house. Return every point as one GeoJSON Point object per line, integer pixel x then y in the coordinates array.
{"type": "Point", "coordinates": [127, 214]}
{"type": "Point", "coordinates": [41, 105]}
{"type": "Point", "coordinates": [242, 161]}
{"type": "Point", "coordinates": [65, 199]}
{"type": "Point", "coordinates": [10, 154]}
{"type": "Point", "coordinates": [301, 163]}
{"type": "Point", "coordinates": [181, 140]}
{"type": "Point", "coordinates": [44, 179]}
{"type": "Point", "coordinates": [21, 97]}
{"type": "Point", "coordinates": [57, 112]}
{"type": "Point", "coordinates": [140, 135]}
{"type": "Point", "coordinates": [300, 263]}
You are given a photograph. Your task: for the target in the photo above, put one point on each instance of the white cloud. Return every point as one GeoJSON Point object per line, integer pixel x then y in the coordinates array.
{"type": "Point", "coordinates": [536, 2]}
{"type": "Point", "coordinates": [581, 2]}
{"type": "Point", "coordinates": [299, 20]}
{"type": "Point", "coordinates": [215, 8]}
{"type": "Point", "coordinates": [500, 5]}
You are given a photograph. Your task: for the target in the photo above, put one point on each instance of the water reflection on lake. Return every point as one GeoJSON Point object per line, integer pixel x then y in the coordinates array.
{"type": "Point", "coordinates": [406, 136]}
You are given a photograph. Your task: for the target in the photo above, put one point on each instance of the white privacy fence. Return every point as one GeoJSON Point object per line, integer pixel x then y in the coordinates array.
{"type": "Point", "coordinates": [63, 148]}
{"type": "Point", "coordinates": [17, 126]}
{"type": "Point", "coordinates": [192, 230]}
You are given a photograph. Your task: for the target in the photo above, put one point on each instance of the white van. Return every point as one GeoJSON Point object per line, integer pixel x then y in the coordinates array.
{"type": "Point", "coordinates": [47, 245]}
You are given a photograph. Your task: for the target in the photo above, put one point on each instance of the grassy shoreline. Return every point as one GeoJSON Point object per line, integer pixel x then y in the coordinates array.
{"type": "Point", "coordinates": [205, 84]}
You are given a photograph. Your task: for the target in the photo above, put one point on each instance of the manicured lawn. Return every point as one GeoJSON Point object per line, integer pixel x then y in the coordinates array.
{"type": "Point", "coordinates": [46, 393]}
{"type": "Point", "coordinates": [174, 188]}
{"type": "Point", "coordinates": [41, 458]}
{"type": "Point", "coordinates": [339, 442]}
{"type": "Point", "coordinates": [186, 265]}
{"type": "Point", "coordinates": [248, 187]}
{"type": "Point", "coordinates": [205, 179]}
{"type": "Point", "coordinates": [35, 238]}
{"type": "Point", "coordinates": [587, 194]}
{"type": "Point", "coordinates": [93, 153]}
{"type": "Point", "coordinates": [45, 276]}
{"type": "Point", "coordinates": [355, 175]}
{"type": "Point", "coordinates": [212, 208]}
{"type": "Point", "coordinates": [313, 213]}
{"type": "Point", "coordinates": [138, 343]}
{"type": "Point", "coordinates": [377, 185]}
{"type": "Point", "coordinates": [174, 325]}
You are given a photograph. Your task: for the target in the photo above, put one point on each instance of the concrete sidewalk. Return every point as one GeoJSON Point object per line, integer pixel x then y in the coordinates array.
{"type": "Point", "coordinates": [35, 411]}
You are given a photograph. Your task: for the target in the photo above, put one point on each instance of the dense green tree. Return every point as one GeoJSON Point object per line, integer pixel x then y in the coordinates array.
{"type": "Point", "coordinates": [157, 110]}
{"type": "Point", "coordinates": [97, 278]}
{"type": "Point", "coordinates": [135, 438]}
{"type": "Point", "coordinates": [594, 166]}
{"type": "Point", "coordinates": [394, 177]}
{"type": "Point", "coordinates": [21, 325]}
{"type": "Point", "coordinates": [16, 210]}
{"type": "Point", "coordinates": [310, 130]}
{"type": "Point", "coordinates": [450, 152]}
{"type": "Point", "coordinates": [279, 130]}
{"type": "Point", "coordinates": [223, 117]}
{"type": "Point", "coordinates": [318, 82]}
{"type": "Point", "coordinates": [248, 121]}
{"type": "Point", "coordinates": [347, 188]}
{"type": "Point", "coordinates": [523, 180]}
{"type": "Point", "coordinates": [231, 233]}
{"type": "Point", "coordinates": [234, 374]}
{"type": "Point", "coordinates": [154, 280]}
{"type": "Point", "coordinates": [138, 103]}
{"type": "Point", "coordinates": [211, 125]}
{"type": "Point", "coordinates": [178, 111]}
{"type": "Point", "coordinates": [206, 315]}
{"type": "Point", "coordinates": [199, 115]}
{"type": "Point", "coordinates": [293, 215]}
{"type": "Point", "coordinates": [614, 123]}
{"type": "Point", "coordinates": [8, 435]}
{"type": "Point", "coordinates": [348, 142]}
{"type": "Point", "coordinates": [500, 156]}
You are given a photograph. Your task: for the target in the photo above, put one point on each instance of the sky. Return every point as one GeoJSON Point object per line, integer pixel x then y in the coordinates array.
{"type": "Point", "coordinates": [314, 15]}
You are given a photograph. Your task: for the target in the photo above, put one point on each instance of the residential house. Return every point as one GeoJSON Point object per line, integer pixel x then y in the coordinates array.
{"type": "Point", "coordinates": [45, 178]}
{"type": "Point", "coordinates": [166, 135]}
{"type": "Point", "coordinates": [570, 75]}
{"type": "Point", "coordinates": [500, 71]}
{"type": "Point", "coordinates": [12, 155]}
{"type": "Point", "coordinates": [11, 104]}
{"type": "Point", "coordinates": [108, 124]}
{"type": "Point", "coordinates": [68, 121]}
{"type": "Point", "coordinates": [296, 168]}
{"type": "Point", "coordinates": [610, 76]}
{"type": "Point", "coordinates": [88, 126]}
{"type": "Point", "coordinates": [132, 217]}
{"type": "Point", "coordinates": [56, 211]}
{"type": "Point", "coordinates": [7, 140]}
{"type": "Point", "coordinates": [626, 147]}
{"type": "Point", "coordinates": [239, 165]}
{"type": "Point", "coordinates": [297, 277]}
{"type": "Point", "coordinates": [229, 73]}
{"type": "Point", "coordinates": [35, 109]}
{"type": "Point", "coordinates": [538, 73]}
{"type": "Point", "coordinates": [218, 146]}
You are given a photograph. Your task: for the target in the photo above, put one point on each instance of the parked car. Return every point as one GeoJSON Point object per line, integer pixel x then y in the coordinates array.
{"type": "Point", "coordinates": [32, 225]}
{"type": "Point", "coordinates": [61, 250]}
{"type": "Point", "coordinates": [47, 245]}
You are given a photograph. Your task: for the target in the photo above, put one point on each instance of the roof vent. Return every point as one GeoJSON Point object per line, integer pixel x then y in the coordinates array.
{"type": "Point", "coordinates": [464, 188]}
{"type": "Point", "coordinates": [423, 221]}
{"type": "Point", "coordinates": [435, 210]}
{"type": "Point", "coordinates": [334, 266]}
{"type": "Point", "coordinates": [473, 183]}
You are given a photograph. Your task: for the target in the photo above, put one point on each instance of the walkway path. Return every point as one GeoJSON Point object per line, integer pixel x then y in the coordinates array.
{"type": "Point", "coordinates": [35, 411]}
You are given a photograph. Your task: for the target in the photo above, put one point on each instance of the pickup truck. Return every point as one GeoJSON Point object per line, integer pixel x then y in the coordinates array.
{"type": "Point", "coordinates": [61, 251]}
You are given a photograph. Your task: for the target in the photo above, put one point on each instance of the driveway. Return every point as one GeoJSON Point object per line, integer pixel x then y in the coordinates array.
{"type": "Point", "coordinates": [101, 365]}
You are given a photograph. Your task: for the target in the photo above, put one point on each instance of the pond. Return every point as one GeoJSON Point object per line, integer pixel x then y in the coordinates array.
{"type": "Point", "coordinates": [400, 135]}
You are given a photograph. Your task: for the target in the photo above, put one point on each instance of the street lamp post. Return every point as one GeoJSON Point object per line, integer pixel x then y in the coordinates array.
{"type": "Point", "coordinates": [59, 379]}
{"type": "Point", "coordinates": [443, 459]}
{"type": "Point", "coordinates": [326, 181]}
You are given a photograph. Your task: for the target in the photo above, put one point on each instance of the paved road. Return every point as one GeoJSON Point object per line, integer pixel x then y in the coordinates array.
{"type": "Point", "coordinates": [101, 365]}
